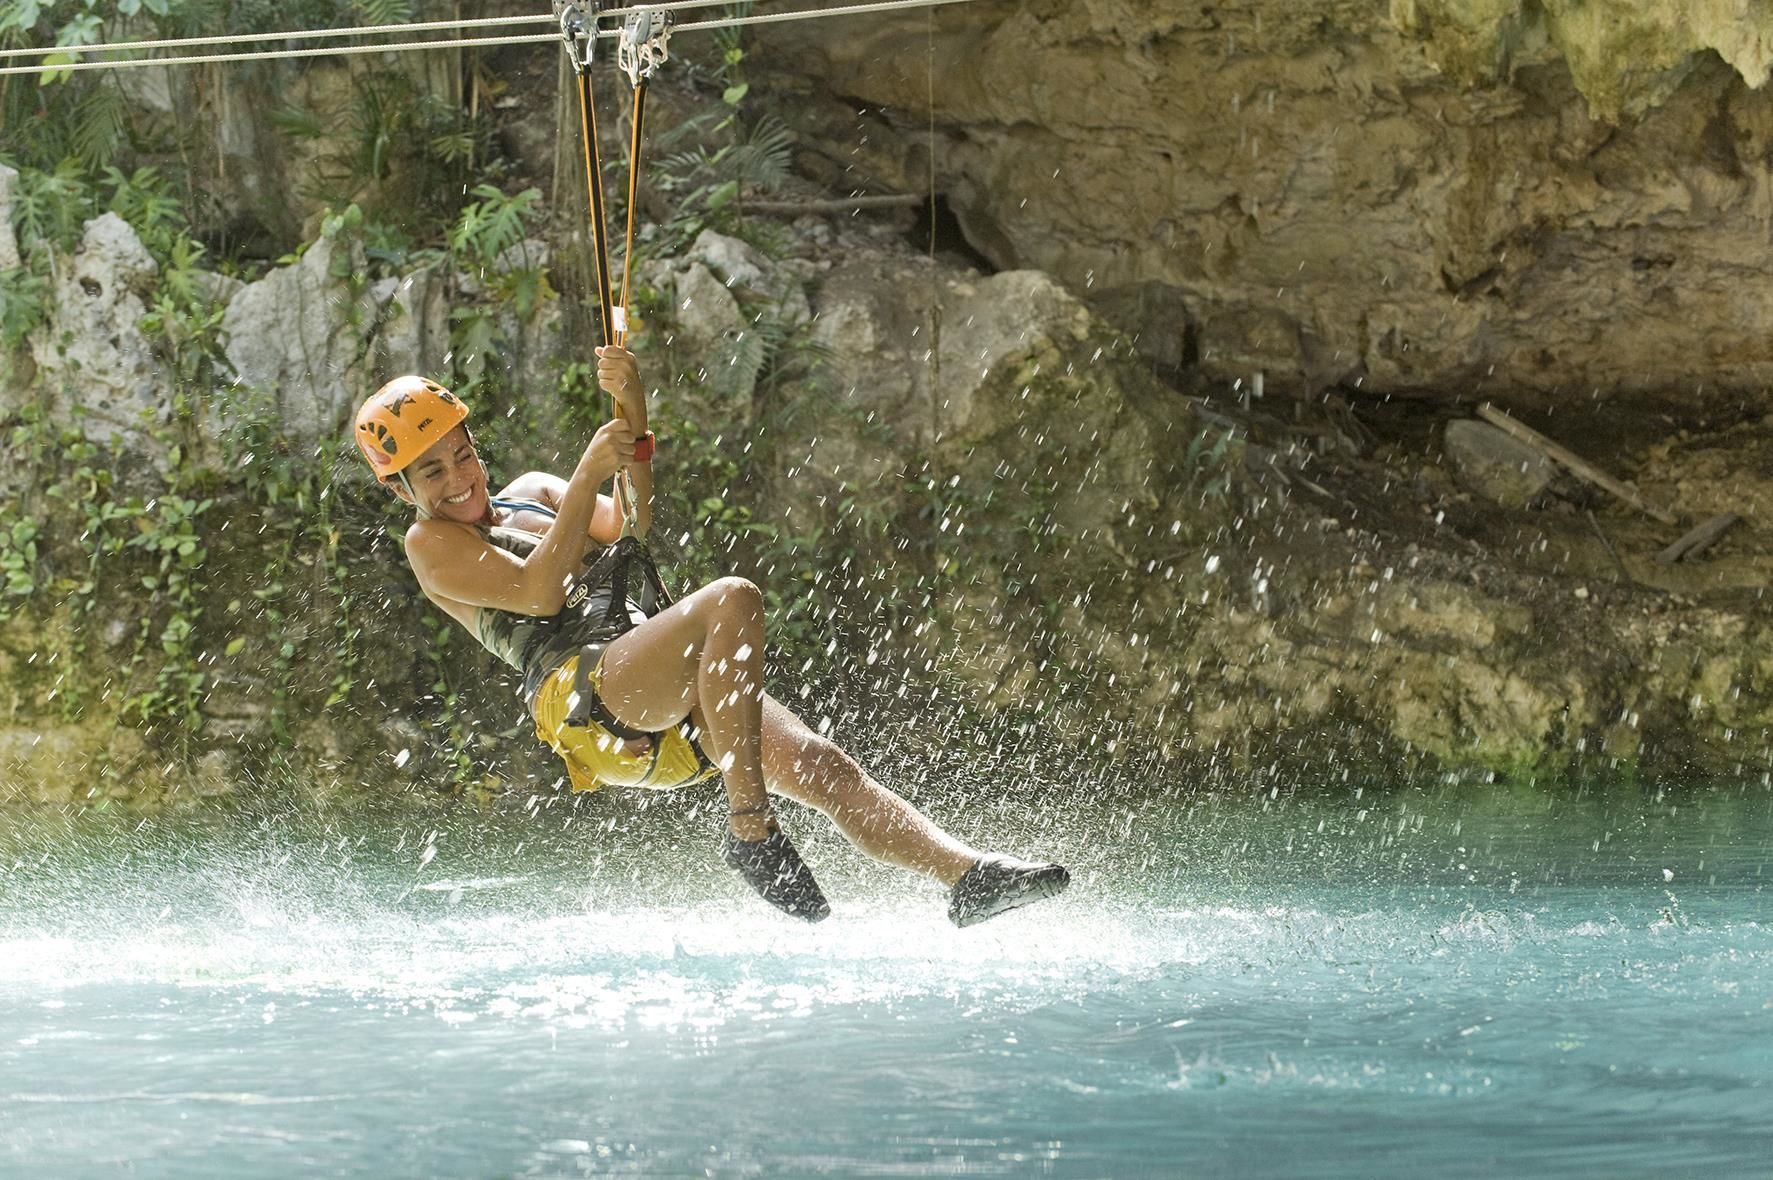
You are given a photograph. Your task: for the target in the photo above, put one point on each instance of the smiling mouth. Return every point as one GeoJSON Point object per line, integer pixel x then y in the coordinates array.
{"type": "Point", "coordinates": [461, 499]}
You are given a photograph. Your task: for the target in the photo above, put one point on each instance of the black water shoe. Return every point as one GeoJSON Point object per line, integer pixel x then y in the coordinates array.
{"type": "Point", "coordinates": [775, 870]}
{"type": "Point", "coordinates": [997, 883]}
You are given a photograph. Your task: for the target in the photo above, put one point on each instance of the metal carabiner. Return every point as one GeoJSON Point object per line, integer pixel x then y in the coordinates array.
{"type": "Point", "coordinates": [628, 502]}
{"type": "Point", "coordinates": [643, 47]}
{"type": "Point", "coordinates": [578, 28]}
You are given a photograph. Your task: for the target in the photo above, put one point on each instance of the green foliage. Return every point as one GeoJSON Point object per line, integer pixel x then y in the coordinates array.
{"type": "Point", "coordinates": [1204, 465]}
{"type": "Point", "coordinates": [167, 531]}
{"type": "Point", "coordinates": [145, 199]}
{"type": "Point", "coordinates": [18, 557]}
{"type": "Point", "coordinates": [24, 300]}
{"type": "Point", "coordinates": [49, 207]}
{"type": "Point", "coordinates": [486, 229]}
{"type": "Point", "coordinates": [730, 158]}
{"type": "Point", "coordinates": [61, 114]}
{"type": "Point", "coordinates": [49, 212]}
{"type": "Point", "coordinates": [492, 224]}
{"type": "Point", "coordinates": [403, 155]}
{"type": "Point", "coordinates": [87, 482]}
{"type": "Point", "coordinates": [83, 541]}
{"type": "Point", "coordinates": [383, 12]}
{"type": "Point", "coordinates": [711, 180]}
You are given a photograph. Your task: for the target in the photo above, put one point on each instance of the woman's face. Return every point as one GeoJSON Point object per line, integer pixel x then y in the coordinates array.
{"type": "Point", "coordinates": [448, 481]}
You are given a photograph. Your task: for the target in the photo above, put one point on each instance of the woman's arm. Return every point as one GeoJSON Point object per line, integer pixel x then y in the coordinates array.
{"type": "Point", "coordinates": [453, 561]}
{"type": "Point", "coordinates": [606, 518]}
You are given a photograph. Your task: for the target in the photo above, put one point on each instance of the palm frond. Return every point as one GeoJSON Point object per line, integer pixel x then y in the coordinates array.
{"type": "Point", "coordinates": [101, 126]}
{"type": "Point", "coordinates": [763, 159]}
{"type": "Point", "coordinates": [383, 12]}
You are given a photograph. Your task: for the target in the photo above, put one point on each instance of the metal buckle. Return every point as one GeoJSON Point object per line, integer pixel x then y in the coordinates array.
{"type": "Point", "coordinates": [643, 47]}
{"type": "Point", "coordinates": [578, 28]}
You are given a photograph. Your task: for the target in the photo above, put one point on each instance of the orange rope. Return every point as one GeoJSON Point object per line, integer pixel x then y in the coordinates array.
{"type": "Point", "coordinates": [633, 195]}
{"type": "Point", "coordinates": [594, 192]}
{"type": "Point", "coordinates": [615, 330]}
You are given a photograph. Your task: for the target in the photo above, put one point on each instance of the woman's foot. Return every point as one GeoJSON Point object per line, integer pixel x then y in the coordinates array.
{"type": "Point", "coordinates": [997, 883]}
{"type": "Point", "coordinates": [776, 872]}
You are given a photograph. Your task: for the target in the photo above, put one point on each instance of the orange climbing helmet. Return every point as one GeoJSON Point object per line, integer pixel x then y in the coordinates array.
{"type": "Point", "coordinates": [403, 419]}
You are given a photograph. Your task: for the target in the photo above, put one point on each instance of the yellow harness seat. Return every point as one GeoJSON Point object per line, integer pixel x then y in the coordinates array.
{"type": "Point", "coordinates": [595, 757]}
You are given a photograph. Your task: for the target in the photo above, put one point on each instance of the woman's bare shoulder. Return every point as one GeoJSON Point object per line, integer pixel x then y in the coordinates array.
{"type": "Point", "coordinates": [430, 540]}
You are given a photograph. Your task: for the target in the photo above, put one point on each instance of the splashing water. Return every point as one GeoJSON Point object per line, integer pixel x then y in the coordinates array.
{"type": "Point", "coordinates": [1276, 987]}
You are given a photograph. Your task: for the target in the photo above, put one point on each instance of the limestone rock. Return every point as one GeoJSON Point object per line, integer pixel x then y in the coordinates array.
{"type": "Point", "coordinates": [40, 765]}
{"type": "Point", "coordinates": [744, 268]}
{"type": "Point", "coordinates": [1495, 464]}
{"type": "Point", "coordinates": [414, 333]}
{"type": "Point", "coordinates": [720, 344]}
{"type": "Point", "coordinates": [9, 256]}
{"type": "Point", "coordinates": [712, 327]}
{"type": "Point", "coordinates": [1626, 56]}
{"type": "Point", "coordinates": [734, 260]}
{"type": "Point", "coordinates": [300, 335]}
{"type": "Point", "coordinates": [100, 370]}
{"type": "Point", "coordinates": [532, 347]}
{"type": "Point", "coordinates": [704, 307]}
{"type": "Point", "coordinates": [216, 289]}
{"type": "Point", "coordinates": [1024, 389]}
{"type": "Point", "coordinates": [1528, 199]}
{"type": "Point", "coordinates": [876, 317]}
{"type": "Point", "coordinates": [529, 254]}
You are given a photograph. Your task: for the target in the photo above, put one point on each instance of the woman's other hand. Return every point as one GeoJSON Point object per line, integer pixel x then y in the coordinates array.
{"type": "Point", "coordinates": [612, 447]}
{"type": "Point", "coordinates": [618, 374]}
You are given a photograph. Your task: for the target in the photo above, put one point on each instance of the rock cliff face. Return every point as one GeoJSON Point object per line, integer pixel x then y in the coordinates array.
{"type": "Point", "coordinates": [1517, 199]}
{"type": "Point", "coordinates": [1118, 578]}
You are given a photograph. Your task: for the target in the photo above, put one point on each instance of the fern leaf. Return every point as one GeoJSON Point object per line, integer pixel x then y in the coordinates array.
{"type": "Point", "coordinates": [101, 126]}
{"type": "Point", "coordinates": [383, 12]}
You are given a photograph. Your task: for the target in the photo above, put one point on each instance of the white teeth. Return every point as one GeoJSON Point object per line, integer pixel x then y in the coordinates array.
{"type": "Point", "coordinates": [461, 499]}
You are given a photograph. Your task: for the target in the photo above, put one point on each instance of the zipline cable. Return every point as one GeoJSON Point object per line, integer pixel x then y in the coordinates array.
{"type": "Point", "coordinates": [479, 22]}
{"type": "Point", "coordinates": [406, 46]}
{"type": "Point", "coordinates": [278, 54]}
{"type": "Point", "coordinates": [295, 35]}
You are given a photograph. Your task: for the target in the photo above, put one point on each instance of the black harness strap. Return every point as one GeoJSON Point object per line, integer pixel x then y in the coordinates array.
{"type": "Point", "coordinates": [614, 568]}
{"type": "Point", "coordinates": [590, 707]}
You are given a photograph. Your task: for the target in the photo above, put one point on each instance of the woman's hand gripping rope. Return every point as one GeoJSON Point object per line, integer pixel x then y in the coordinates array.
{"type": "Point", "coordinates": [618, 373]}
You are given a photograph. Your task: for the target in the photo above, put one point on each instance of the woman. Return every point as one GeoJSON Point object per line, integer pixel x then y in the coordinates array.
{"type": "Point", "coordinates": [630, 700]}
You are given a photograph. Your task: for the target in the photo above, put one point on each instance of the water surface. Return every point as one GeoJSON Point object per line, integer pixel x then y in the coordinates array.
{"type": "Point", "coordinates": [1474, 982]}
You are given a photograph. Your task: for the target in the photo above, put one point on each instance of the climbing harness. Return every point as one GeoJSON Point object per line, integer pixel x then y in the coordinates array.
{"type": "Point", "coordinates": [598, 609]}
{"type": "Point", "coordinates": [559, 659]}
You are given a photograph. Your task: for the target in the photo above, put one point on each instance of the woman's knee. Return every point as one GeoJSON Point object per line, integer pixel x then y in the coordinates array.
{"type": "Point", "coordinates": [737, 594]}
{"type": "Point", "coordinates": [735, 602]}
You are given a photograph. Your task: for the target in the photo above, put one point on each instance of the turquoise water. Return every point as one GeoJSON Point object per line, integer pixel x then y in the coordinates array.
{"type": "Point", "coordinates": [1470, 983]}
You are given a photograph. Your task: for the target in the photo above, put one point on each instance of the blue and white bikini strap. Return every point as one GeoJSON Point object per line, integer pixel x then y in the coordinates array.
{"type": "Point", "coordinates": [524, 505]}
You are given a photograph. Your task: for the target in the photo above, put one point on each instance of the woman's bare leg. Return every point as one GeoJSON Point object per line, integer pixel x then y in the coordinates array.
{"type": "Point", "coordinates": [703, 659]}
{"type": "Point", "coordinates": [814, 770]}
{"type": "Point", "coordinates": [704, 653]}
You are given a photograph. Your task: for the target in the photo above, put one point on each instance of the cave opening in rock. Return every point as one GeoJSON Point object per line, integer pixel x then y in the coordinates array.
{"type": "Point", "coordinates": [936, 229]}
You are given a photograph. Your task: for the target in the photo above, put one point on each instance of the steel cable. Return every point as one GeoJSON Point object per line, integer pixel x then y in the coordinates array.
{"type": "Point", "coordinates": [406, 46]}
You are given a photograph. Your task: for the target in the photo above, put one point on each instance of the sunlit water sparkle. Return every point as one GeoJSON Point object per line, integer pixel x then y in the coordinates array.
{"type": "Point", "coordinates": [1469, 983]}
